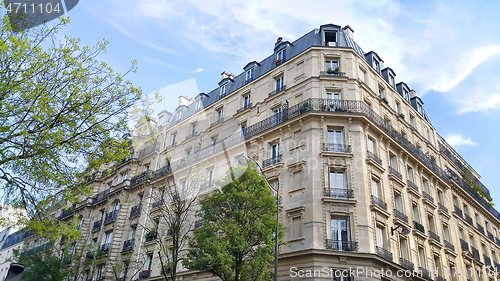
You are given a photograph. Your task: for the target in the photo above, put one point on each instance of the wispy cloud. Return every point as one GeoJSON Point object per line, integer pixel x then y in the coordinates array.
{"type": "Point", "coordinates": [198, 70]}
{"type": "Point", "coordinates": [458, 139]}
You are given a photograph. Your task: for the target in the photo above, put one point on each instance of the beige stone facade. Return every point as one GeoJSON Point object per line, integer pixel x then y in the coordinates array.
{"type": "Point", "coordinates": [353, 158]}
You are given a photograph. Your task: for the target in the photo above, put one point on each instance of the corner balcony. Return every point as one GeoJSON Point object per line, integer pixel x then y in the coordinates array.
{"type": "Point", "coordinates": [97, 225]}
{"type": "Point", "coordinates": [406, 264]}
{"type": "Point", "coordinates": [400, 216]}
{"type": "Point", "coordinates": [278, 90]}
{"type": "Point", "coordinates": [339, 193]}
{"type": "Point", "coordinates": [337, 245]}
{"type": "Point", "coordinates": [339, 148]}
{"type": "Point", "coordinates": [374, 157]}
{"type": "Point", "coordinates": [136, 211]}
{"type": "Point", "coordinates": [332, 73]}
{"type": "Point", "coordinates": [383, 253]}
{"type": "Point", "coordinates": [271, 161]}
{"type": "Point", "coordinates": [128, 245]}
{"type": "Point", "coordinates": [111, 217]}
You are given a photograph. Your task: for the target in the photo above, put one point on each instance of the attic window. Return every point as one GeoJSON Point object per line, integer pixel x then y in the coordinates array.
{"type": "Point", "coordinates": [223, 91]}
{"type": "Point", "coordinates": [198, 104]}
{"type": "Point", "coordinates": [376, 65]}
{"type": "Point", "coordinates": [179, 115]}
{"type": "Point", "coordinates": [280, 56]}
{"type": "Point", "coordinates": [391, 80]}
{"type": "Point", "coordinates": [331, 38]}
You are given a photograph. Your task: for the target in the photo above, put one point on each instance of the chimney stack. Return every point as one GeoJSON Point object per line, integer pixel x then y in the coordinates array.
{"type": "Point", "coordinates": [185, 101]}
{"type": "Point", "coordinates": [349, 31]}
{"type": "Point", "coordinates": [412, 94]}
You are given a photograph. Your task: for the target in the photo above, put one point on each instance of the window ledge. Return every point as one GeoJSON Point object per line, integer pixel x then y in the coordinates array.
{"type": "Point", "coordinates": [296, 240]}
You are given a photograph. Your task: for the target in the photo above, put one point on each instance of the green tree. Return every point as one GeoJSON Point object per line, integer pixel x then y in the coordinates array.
{"type": "Point", "coordinates": [62, 116]}
{"type": "Point", "coordinates": [237, 239]}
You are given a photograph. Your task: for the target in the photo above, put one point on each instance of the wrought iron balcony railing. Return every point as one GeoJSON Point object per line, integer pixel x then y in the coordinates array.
{"type": "Point", "coordinates": [497, 241]}
{"type": "Point", "coordinates": [490, 235]}
{"type": "Point", "coordinates": [419, 226]}
{"type": "Point", "coordinates": [103, 250]}
{"type": "Point", "coordinates": [487, 260]}
{"type": "Point", "coordinates": [218, 121]}
{"type": "Point", "coordinates": [97, 225]}
{"type": "Point", "coordinates": [395, 172]}
{"type": "Point", "coordinates": [271, 161]}
{"type": "Point", "coordinates": [337, 245]}
{"type": "Point", "coordinates": [244, 107]}
{"type": "Point", "coordinates": [449, 245]}
{"type": "Point", "coordinates": [424, 273]}
{"type": "Point", "coordinates": [475, 253]}
{"type": "Point", "coordinates": [333, 147]}
{"type": "Point", "coordinates": [111, 217]}
{"type": "Point", "coordinates": [136, 211]}
{"type": "Point", "coordinates": [381, 252]}
{"type": "Point", "coordinates": [497, 266]}
{"type": "Point", "coordinates": [340, 193]}
{"type": "Point", "coordinates": [100, 196]}
{"type": "Point", "coordinates": [151, 237]}
{"type": "Point", "coordinates": [128, 245]}
{"type": "Point", "coordinates": [379, 203]}
{"type": "Point", "coordinates": [440, 278]}
{"type": "Point", "coordinates": [158, 203]}
{"type": "Point", "coordinates": [144, 274]}
{"type": "Point", "coordinates": [434, 236]}
{"type": "Point", "coordinates": [428, 196]}
{"type": "Point", "coordinates": [480, 228]}
{"type": "Point", "coordinates": [406, 264]}
{"type": "Point", "coordinates": [277, 91]}
{"type": "Point", "coordinates": [458, 211]}
{"type": "Point", "coordinates": [468, 219]}
{"type": "Point", "coordinates": [442, 208]}
{"type": "Point", "coordinates": [140, 178]}
{"type": "Point", "coordinates": [400, 215]}
{"type": "Point", "coordinates": [89, 255]}
{"type": "Point", "coordinates": [374, 157]}
{"type": "Point", "coordinates": [332, 73]}
{"type": "Point", "coordinates": [413, 186]}
{"type": "Point", "coordinates": [464, 245]}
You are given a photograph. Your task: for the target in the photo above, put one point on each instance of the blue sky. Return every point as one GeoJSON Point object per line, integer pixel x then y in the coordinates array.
{"type": "Point", "coordinates": [448, 51]}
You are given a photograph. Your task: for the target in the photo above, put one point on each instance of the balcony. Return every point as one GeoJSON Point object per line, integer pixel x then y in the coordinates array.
{"type": "Point", "coordinates": [339, 148]}
{"type": "Point", "coordinates": [136, 211]}
{"type": "Point", "coordinates": [279, 61]}
{"type": "Point", "coordinates": [111, 217]}
{"type": "Point", "coordinates": [217, 122]}
{"type": "Point", "coordinates": [475, 253]}
{"type": "Point", "coordinates": [406, 264]}
{"type": "Point", "coordinates": [245, 107]}
{"type": "Point", "coordinates": [440, 278]}
{"type": "Point", "coordinates": [419, 227]}
{"type": "Point", "coordinates": [271, 161]}
{"type": "Point", "coordinates": [97, 225]}
{"type": "Point", "coordinates": [332, 73]}
{"type": "Point", "coordinates": [458, 211]}
{"type": "Point", "coordinates": [497, 241]}
{"type": "Point", "coordinates": [480, 228]}
{"type": "Point", "coordinates": [277, 91]}
{"type": "Point", "coordinates": [158, 203]}
{"type": "Point", "coordinates": [248, 80]}
{"type": "Point", "coordinates": [428, 197]}
{"type": "Point", "coordinates": [199, 223]}
{"type": "Point", "coordinates": [395, 172]}
{"type": "Point", "coordinates": [89, 255]}
{"type": "Point", "coordinates": [374, 157]}
{"type": "Point", "coordinates": [449, 245]}
{"type": "Point", "coordinates": [425, 273]}
{"type": "Point", "coordinates": [464, 245]}
{"type": "Point", "coordinates": [413, 186]}
{"type": "Point", "coordinates": [100, 196]}
{"type": "Point", "coordinates": [339, 193]}
{"type": "Point", "coordinates": [151, 237]}
{"type": "Point", "coordinates": [128, 245]}
{"type": "Point", "coordinates": [469, 219]}
{"type": "Point", "coordinates": [379, 203]}
{"type": "Point", "coordinates": [104, 250]}
{"type": "Point", "coordinates": [337, 245]}
{"type": "Point", "coordinates": [490, 235]}
{"type": "Point", "coordinates": [400, 215]}
{"type": "Point", "coordinates": [442, 208]}
{"type": "Point", "coordinates": [66, 213]}
{"type": "Point", "coordinates": [434, 236]}
{"type": "Point", "coordinates": [385, 254]}
{"type": "Point", "coordinates": [194, 134]}
{"type": "Point", "coordinates": [144, 274]}
{"type": "Point", "coordinates": [497, 266]}
{"type": "Point", "coordinates": [140, 178]}
{"type": "Point", "coordinates": [487, 260]}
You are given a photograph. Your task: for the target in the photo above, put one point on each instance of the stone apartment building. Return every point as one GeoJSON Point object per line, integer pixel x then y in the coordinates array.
{"type": "Point", "coordinates": [364, 178]}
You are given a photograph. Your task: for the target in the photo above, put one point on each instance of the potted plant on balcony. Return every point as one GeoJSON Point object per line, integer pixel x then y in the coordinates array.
{"type": "Point", "coordinates": [337, 70]}
{"type": "Point", "coordinates": [329, 70]}
{"type": "Point", "coordinates": [277, 61]}
{"type": "Point", "coordinates": [305, 107]}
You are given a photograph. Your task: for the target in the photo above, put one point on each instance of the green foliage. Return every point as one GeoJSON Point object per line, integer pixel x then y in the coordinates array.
{"type": "Point", "coordinates": [237, 240]}
{"type": "Point", "coordinates": [42, 267]}
{"type": "Point", "coordinates": [62, 116]}
{"type": "Point", "coordinates": [469, 179]}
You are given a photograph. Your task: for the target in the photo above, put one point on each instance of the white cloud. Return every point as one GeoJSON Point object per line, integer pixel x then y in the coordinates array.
{"type": "Point", "coordinates": [458, 139]}
{"type": "Point", "coordinates": [198, 70]}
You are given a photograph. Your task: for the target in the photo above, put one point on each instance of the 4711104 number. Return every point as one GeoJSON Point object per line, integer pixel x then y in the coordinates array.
{"type": "Point", "coordinates": [33, 8]}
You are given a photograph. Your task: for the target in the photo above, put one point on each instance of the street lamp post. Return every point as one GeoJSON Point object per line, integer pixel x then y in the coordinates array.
{"type": "Point", "coordinates": [244, 161]}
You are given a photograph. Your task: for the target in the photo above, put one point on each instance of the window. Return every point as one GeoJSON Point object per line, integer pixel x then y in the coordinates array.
{"type": "Point", "coordinates": [431, 223]}
{"type": "Point", "coordinates": [220, 115]}
{"type": "Point", "coordinates": [124, 176]}
{"type": "Point", "coordinates": [394, 162]}
{"type": "Point", "coordinates": [381, 239]}
{"type": "Point", "coordinates": [340, 234]}
{"type": "Point", "coordinates": [381, 92]}
{"type": "Point", "coordinates": [333, 97]}
{"type": "Point", "coordinates": [222, 92]}
{"type": "Point", "coordinates": [214, 141]}
{"type": "Point", "coordinates": [376, 65]}
{"type": "Point", "coordinates": [361, 75]}
{"type": "Point", "coordinates": [409, 169]}
{"type": "Point", "coordinates": [179, 115]}
{"type": "Point", "coordinates": [249, 75]}
{"type": "Point", "coordinates": [275, 151]}
{"type": "Point", "coordinates": [371, 145]}
{"type": "Point", "coordinates": [335, 136]}
{"type": "Point", "coordinates": [277, 115]}
{"type": "Point", "coordinates": [210, 176]}
{"type": "Point", "coordinates": [403, 245]}
{"type": "Point", "coordinates": [172, 142]}
{"type": "Point", "coordinates": [150, 262]}
{"type": "Point", "coordinates": [330, 38]}
{"type": "Point", "coordinates": [108, 238]}
{"type": "Point", "coordinates": [279, 84]}
{"type": "Point", "coordinates": [426, 133]}
{"type": "Point", "coordinates": [193, 129]}
{"type": "Point", "coordinates": [416, 213]}
{"type": "Point", "coordinates": [425, 183]}
{"type": "Point", "coordinates": [198, 105]}
{"type": "Point", "coordinates": [478, 220]}
{"type": "Point", "coordinates": [115, 207]}
{"type": "Point", "coordinates": [337, 180]}
{"type": "Point", "coordinates": [297, 227]}
{"type": "Point", "coordinates": [406, 95]}
{"type": "Point", "coordinates": [398, 202]}
{"type": "Point", "coordinates": [397, 107]}
{"type": "Point", "coordinates": [437, 266]}
{"type": "Point", "coordinates": [133, 230]}
{"type": "Point", "coordinates": [413, 122]}
{"type": "Point", "coordinates": [421, 257]}
{"type": "Point", "coordinates": [281, 55]}
{"type": "Point", "coordinates": [446, 233]}
{"type": "Point", "coordinates": [342, 275]}
{"type": "Point", "coordinates": [331, 65]}
{"type": "Point", "coordinates": [244, 129]}
{"type": "Point", "coordinates": [188, 152]}
{"type": "Point", "coordinates": [376, 190]}
{"type": "Point", "coordinates": [246, 101]}
{"type": "Point", "coordinates": [391, 80]}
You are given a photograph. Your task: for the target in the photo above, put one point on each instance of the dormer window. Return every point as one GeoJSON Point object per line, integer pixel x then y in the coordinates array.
{"type": "Point", "coordinates": [178, 115]}
{"type": "Point", "coordinates": [419, 109]}
{"type": "Point", "coordinates": [391, 80]}
{"type": "Point", "coordinates": [249, 75]}
{"type": "Point", "coordinates": [198, 105]}
{"type": "Point", "coordinates": [331, 38]}
{"type": "Point", "coordinates": [223, 91]}
{"type": "Point", "coordinates": [281, 56]}
{"type": "Point", "coordinates": [406, 95]}
{"type": "Point", "coordinates": [376, 65]}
